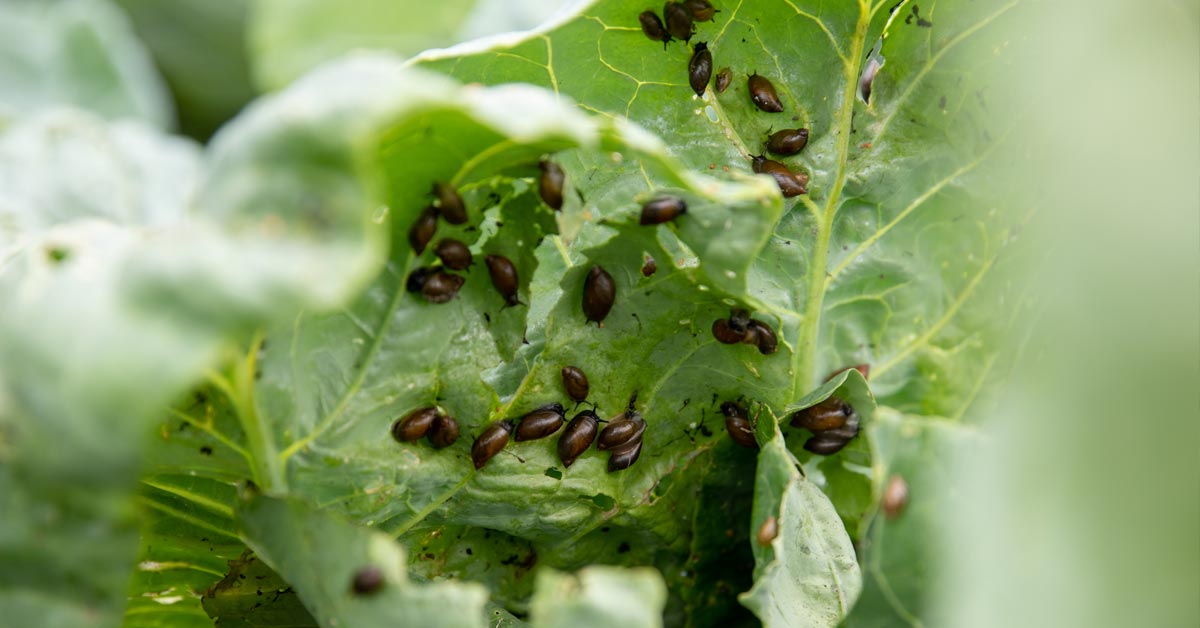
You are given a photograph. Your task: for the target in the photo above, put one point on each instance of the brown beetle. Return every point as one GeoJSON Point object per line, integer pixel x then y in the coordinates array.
{"type": "Point", "coordinates": [768, 531]}
{"type": "Point", "coordinates": [578, 436]}
{"type": "Point", "coordinates": [662, 209]}
{"type": "Point", "coordinates": [454, 254]}
{"type": "Point", "coordinates": [865, 369]}
{"type": "Point", "coordinates": [679, 20]}
{"type": "Point", "coordinates": [504, 277]}
{"type": "Point", "coordinates": [737, 423]}
{"type": "Point", "coordinates": [652, 26]}
{"type": "Point", "coordinates": [440, 286]}
{"type": "Point", "coordinates": [787, 141]}
{"type": "Point", "coordinates": [761, 335]}
{"type": "Point", "coordinates": [367, 580]}
{"type": "Point", "coordinates": [724, 77]}
{"type": "Point", "coordinates": [700, 68]}
{"type": "Point", "coordinates": [628, 427]}
{"type": "Point", "coordinates": [417, 278]}
{"type": "Point", "coordinates": [762, 92]}
{"type": "Point", "coordinates": [422, 230]}
{"type": "Point", "coordinates": [444, 431]}
{"type": "Point", "coordinates": [624, 456]}
{"type": "Point", "coordinates": [830, 414]}
{"type": "Point", "coordinates": [739, 319]}
{"type": "Point", "coordinates": [550, 184]}
{"type": "Point", "coordinates": [824, 444]}
{"type": "Point", "coordinates": [540, 423]}
{"type": "Point", "coordinates": [702, 10]}
{"type": "Point", "coordinates": [599, 292]}
{"type": "Point", "coordinates": [833, 422]}
{"type": "Point", "coordinates": [895, 497]}
{"type": "Point", "coordinates": [649, 267]}
{"type": "Point", "coordinates": [725, 334]}
{"type": "Point", "coordinates": [414, 425]}
{"type": "Point", "coordinates": [790, 183]}
{"type": "Point", "coordinates": [450, 204]}
{"type": "Point", "coordinates": [489, 442]}
{"type": "Point", "coordinates": [575, 382]}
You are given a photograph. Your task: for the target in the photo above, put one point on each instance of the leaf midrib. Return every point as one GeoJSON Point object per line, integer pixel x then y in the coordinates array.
{"type": "Point", "coordinates": [804, 356]}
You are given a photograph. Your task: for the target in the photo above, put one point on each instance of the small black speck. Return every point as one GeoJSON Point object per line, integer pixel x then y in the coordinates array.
{"type": "Point", "coordinates": [499, 224]}
{"type": "Point", "coordinates": [469, 552]}
{"type": "Point", "coordinates": [206, 450]}
{"type": "Point", "coordinates": [429, 556]}
{"type": "Point", "coordinates": [258, 592]}
{"type": "Point", "coordinates": [622, 548]}
{"type": "Point", "coordinates": [487, 317]}
{"type": "Point", "coordinates": [605, 529]}
{"type": "Point", "coordinates": [242, 576]}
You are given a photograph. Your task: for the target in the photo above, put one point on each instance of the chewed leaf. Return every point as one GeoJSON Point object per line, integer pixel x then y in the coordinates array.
{"type": "Point", "coordinates": [351, 576]}
{"type": "Point", "coordinates": [598, 596]}
{"type": "Point", "coordinates": [806, 572]}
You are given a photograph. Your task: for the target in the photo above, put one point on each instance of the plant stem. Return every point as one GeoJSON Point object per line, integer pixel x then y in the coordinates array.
{"type": "Point", "coordinates": [268, 470]}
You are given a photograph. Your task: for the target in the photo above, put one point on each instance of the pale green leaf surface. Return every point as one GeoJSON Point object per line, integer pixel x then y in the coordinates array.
{"type": "Point", "coordinates": [901, 555]}
{"type": "Point", "coordinates": [289, 37]}
{"type": "Point", "coordinates": [320, 555]}
{"type": "Point", "coordinates": [807, 575]}
{"type": "Point", "coordinates": [200, 48]}
{"type": "Point", "coordinates": [80, 53]}
{"type": "Point", "coordinates": [599, 596]}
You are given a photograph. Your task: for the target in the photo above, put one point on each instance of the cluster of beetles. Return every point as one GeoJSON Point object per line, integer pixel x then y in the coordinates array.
{"type": "Point", "coordinates": [833, 422]}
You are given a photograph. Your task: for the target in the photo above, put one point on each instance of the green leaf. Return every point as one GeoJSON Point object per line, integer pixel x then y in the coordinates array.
{"type": "Point", "coordinates": [290, 37]}
{"type": "Point", "coordinates": [599, 596]}
{"type": "Point", "coordinates": [79, 391]}
{"type": "Point", "coordinates": [806, 574]}
{"type": "Point", "coordinates": [251, 595]}
{"type": "Point", "coordinates": [320, 556]}
{"type": "Point", "coordinates": [200, 48]}
{"type": "Point", "coordinates": [847, 476]}
{"type": "Point", "coordinates": [334, 407]}
{"type": "Point", "coordinates": [81, 53]}
{"type": "Point", "coordinates": [900, 556]}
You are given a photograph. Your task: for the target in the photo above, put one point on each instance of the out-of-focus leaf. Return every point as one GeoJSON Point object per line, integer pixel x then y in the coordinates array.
{"type": "Point", "coordinates": [291, 37]}
{"type": "Point", "coordinates": [83, 369]}
{"type": "Point", "coordinates": [321, 556]}
{"type": "Point", "coordinates": [900, 556]}
{"type": "Point", "coordinates": [76, 52]}
{"type": "Point", "coordinates": [806, 574]}
{"type": "Point", "coordinates": [599, 596]}
{"type": "Point", "coordinates": [200, 48]}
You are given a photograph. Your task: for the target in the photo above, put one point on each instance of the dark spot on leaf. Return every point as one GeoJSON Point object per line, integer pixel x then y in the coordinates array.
{"type": "Point", "coordinates": [206, 450]}
{"type": "Point", "coordinates": [604, 502]}
{"type": "Point", "coordinates": [487, 317]}
{"type": "Point", "coordinates": [605, 529]}
{"type": "Point", "coordinates": [622, 548]}
{"type": "Point", "coordinates": [469, 552]}
{"type": "Point", "coordinates": [258, 592]}
{"type": "Point", "coordinates": [58, 254]}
